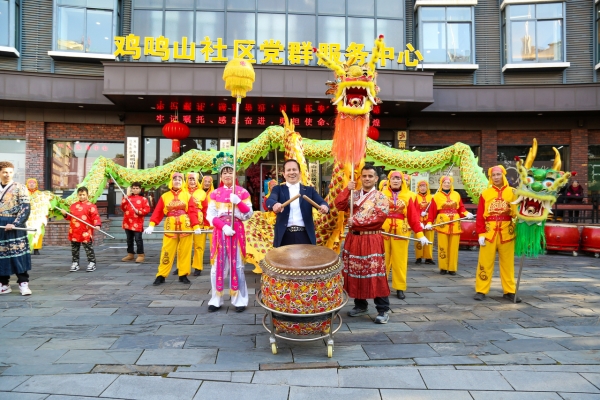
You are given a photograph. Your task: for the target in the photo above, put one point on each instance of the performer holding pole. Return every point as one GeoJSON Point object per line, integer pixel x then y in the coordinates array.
{"type": "Point", "coordinates": [181, 213]}
{"type": "Point", "coordinates": [228, 249]}
{"type": "Point", "coordinates": [363, 255]}
{"type": "Point", "coordinates": [83, 218]}
{"type": "Point", "coordinates": [403, 218]}
{"type": "Point", "coordinates": [198, 241]}
{"type": "Point", "coordinates": [496, 231]}
{"type": "Point", "coordinates": [423, 202]}
{"type": "Point", "coordinates": [135, 208]}
{"type": "Point", "coordinates": [447, 206]}
{"type": "Point", "coordinates": [15, 256]}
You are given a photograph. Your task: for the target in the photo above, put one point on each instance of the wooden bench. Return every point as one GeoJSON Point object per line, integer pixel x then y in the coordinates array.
{"type": "Point", "coordinates": [584, 211]}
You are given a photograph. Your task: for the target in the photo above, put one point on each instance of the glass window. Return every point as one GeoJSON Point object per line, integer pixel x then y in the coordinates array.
{"type": "Point", "coordinates": [179, 24]}
{"type": "Point", "coordinates": [362, 30]}
{"type": "Point", "coordinates": [597, 33]}
{"type": "Point", "coordinates": [390, 9]}
{"type": "Point", "coordinates": [13, 150]}
{"type": "Point", "coordinates": [301, 28]}
{"type": "Point", "coordinates": [332, 30]}
{"type": "Point", "coordinates": [240, 5]}
{"type": "Point", "coordinates": [148, 23]}
{"type": "Point", "coordinates": [301, 6]}
{"type": "Point", "coordinates": [82, 29]}
{"type": "Point", "coordinates": [594, 170]}
{"type": "Point", "coordinates": [441, 39]}
{"type": "Point", "coordinates": [211, 24]}
{"type": "Point", "coordinates": [361, 7]}
{"type": "Point", "coordinates": [332, 7]}
{"type": "Point", "coordinates": [148, 3]}
{"type": "Point", "coordinates": [4, 23]}
{"type": "Point", "coordinates": [182, 4]}
{"type": "Point", "coordinates": [240, 26]}
{"type": "Point", "coordinates": [534, 32]}
{"type": "Point", "coordinates": [270, 26]}
{"type": "Point", "coordinates": [107, 5]}
{"type": "Point", "coordinates": [271, 5]}
{"type": "Point", "coordinates": [393, 32]}
{"type": "Point", "coordinates": [71, 161]}
{"type": "Point", "coordinates": [210, 4]}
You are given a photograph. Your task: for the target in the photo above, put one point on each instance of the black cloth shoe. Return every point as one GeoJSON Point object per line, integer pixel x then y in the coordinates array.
{"type": "Point", "coordinates": [511, 297]}
{"type": "Point", "coordinates": [400, 294]}
{"type": "Point", "coordinates": [184, 279]}
{"type": "Point", "coordinates": [429, 261]}
{"type": "Point", "coordinates": [159, 280]}
{"type": "Point", "coordinates": [443, 272]}
{"type": "Point", "coordinates": [452, 272]}
{"type": "Point", "coordinates": [213, 308]}
{"type": "Point", "coordinates": [479, 296]}
{"type": "Point", "coordinates": [36, 252]}
{"type": "Point", "coordinates": [197, 272]}
{"type": "Point", "coordinates": [240, 309]}
{"type": "Point", "coordinates": [176, 272]}
{"type": "Point", "coordinates": [418, 261]}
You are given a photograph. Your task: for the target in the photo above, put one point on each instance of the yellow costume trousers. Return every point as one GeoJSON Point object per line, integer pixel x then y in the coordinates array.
{"type": "Point", "coordinates": [37, 245]}
{"type": "Point", "coordinates": [485, 266]}
{"type": "Point", "coordinates": [396, 260]}
{"type": "Point", "coordinates": [448, 251]}
{"type": "Point", "coordinates": [176, 245]}
{"type": "Point", "coordinates": [425, 252]}
{"type": "Point", "coordinates": [199, 246]}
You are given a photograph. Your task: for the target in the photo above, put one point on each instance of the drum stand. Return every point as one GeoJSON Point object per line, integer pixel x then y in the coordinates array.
{"type": "Point", "coordinates": [333, 314]}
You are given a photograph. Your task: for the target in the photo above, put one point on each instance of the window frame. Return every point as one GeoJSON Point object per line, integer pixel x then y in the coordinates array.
{"type": "Point", "coordinates": [595, 32]}
{"type": "Point", "coordinates": [506, 34]}
{"type": "Point", "coordinates": [418, 34]}
{"type": "Point", "coordinates": [12, 49]}
{"type": "Point", "coordinates": [57, 54]}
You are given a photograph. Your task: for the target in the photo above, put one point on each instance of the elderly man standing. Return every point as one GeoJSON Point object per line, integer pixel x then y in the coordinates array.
{"type": "Point", "coordinates": [15, 256]}
{"type": "Point", "coordinates": [496, 231]}
{"type": "Point", "coordinates": [294, 224]}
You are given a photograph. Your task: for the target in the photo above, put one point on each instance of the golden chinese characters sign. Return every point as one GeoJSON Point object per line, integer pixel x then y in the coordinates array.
{"type": "Point", "coordinates": [273, 51]}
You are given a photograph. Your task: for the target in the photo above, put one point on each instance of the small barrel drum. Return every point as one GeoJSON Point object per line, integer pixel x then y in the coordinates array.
{"type": "Point", "coordinates": [469, 236]}
{"type": "Point", "coordinates": [562, 237]}
{"type": "Point", "coordinates": [590, 239]}
{"type": "Point", "coordinates": [302, 279]}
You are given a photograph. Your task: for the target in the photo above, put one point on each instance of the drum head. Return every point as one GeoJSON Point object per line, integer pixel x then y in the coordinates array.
{"type": "Point", "coordinates": [301, 258]}
{"type": "Point", "coordinates": [561, 226]}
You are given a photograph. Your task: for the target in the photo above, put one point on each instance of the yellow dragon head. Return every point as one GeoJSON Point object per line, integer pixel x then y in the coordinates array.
{"type": "Point", "coordinates": [355, 90]}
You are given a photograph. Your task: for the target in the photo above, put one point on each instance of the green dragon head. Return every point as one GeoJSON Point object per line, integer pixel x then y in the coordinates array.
{"type": "Point", "coordinates": [538, 187]}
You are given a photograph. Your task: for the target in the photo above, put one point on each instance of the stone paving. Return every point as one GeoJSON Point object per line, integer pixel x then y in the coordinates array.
{"type": "Point", "coordinates": [110, 334]}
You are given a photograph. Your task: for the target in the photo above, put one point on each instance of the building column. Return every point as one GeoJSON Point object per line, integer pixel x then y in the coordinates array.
{"type": "Point", "coordinates": [579, 156]}
{"type": "Point", "coordinates": [489, 148]}
{"type": "Point", "coordinates": [35, 156]}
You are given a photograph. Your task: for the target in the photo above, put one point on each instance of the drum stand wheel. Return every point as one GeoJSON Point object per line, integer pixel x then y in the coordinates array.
{"type": "Point", "coordinates": [274, 348]}
{"type": "Point", "coordinates": [575, 254]}
{"type": "Point", "coordinates": [330, 348]}
{"type": "Point", "coordinates": [597, 255]}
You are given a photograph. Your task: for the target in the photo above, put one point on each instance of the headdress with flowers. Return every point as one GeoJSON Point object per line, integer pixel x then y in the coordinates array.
{"type": "Point", "coordinates": [222, 160]}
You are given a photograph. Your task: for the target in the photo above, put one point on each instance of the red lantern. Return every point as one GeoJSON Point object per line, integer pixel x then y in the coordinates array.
{"type": "Point", "coordinates": [373, 133]}
{"type": "Point", "coordinates": [177, 131]}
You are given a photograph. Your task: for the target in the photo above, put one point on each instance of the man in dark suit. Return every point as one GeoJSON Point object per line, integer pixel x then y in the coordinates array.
{"type": "Point", "coordinates": [294, 223]}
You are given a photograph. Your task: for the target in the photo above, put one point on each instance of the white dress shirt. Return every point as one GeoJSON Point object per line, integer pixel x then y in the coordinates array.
{"type": "Point", "coordinates": [295, 213]}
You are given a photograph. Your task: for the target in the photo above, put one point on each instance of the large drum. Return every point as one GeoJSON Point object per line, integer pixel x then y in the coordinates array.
{"type": "Point", "coordinates": [562, 237]}
{"type": "Point", "coordinates": [302, 279]}
{"type": "Point", "coordinates": [469, 236]}
{"type": "Point", "coordinates": [590, 239]}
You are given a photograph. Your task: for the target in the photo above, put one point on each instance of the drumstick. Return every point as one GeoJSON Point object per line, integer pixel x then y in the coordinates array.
{"type": "Point", "coordinates": [315, 205]}
{"type": "Point", "coordinates": [296, 197]}
{"type": "Point", "coordinates": [449, 222]}
{"type": "Point", "coordinates": [80, 220]}
{"type": "Point", "coordinates": [400, 237]}
{"type": "Point", "coordinates": [21, 229]}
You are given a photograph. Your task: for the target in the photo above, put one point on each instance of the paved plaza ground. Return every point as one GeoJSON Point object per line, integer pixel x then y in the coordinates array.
{"type": "Point", "coordinates": [110, 334]}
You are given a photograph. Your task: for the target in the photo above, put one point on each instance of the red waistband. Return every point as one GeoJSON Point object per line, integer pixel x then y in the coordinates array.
{"type": "Point", "coordinates": [176, 213]}
{"type": "Point", "coordinates": [448, 211]}
{"type": "Point", "coordinates": [397, 216]}
{"type": "Point", "coordinates": [498, 218]}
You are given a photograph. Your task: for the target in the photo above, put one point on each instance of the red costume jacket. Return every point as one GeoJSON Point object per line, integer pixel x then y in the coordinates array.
{"type": "Point", "coordinates": [131, 220]}
{"type": "Point", "coordinates": [85, 211]}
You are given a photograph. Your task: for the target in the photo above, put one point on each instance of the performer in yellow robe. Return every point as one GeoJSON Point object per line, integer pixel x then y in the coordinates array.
{"type": "Point", "coordinates": [447, 206]}
{"type": "Point", "coordinates": [38, 218]}
{"type": "Point", "coordinates": [181, 215]}
{"type": "Point", "coordinates": [199, 241]}
{"type": "Point", "coordinates": [496, 231]}
{"type": "Point", "coordinates": [424, 197]}
{"type": "Point", "coordinates": [207, 186]}
{"type": "Point", "coordinates": [403, 217]}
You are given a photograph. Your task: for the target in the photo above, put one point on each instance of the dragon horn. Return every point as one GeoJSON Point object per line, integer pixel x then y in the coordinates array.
{"type": "Point", "coordinates": [531, 155]}
{"type": "Point", "coordinates": [557, 161]}
{"type": "Point", "coordinates": [287, 126]}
